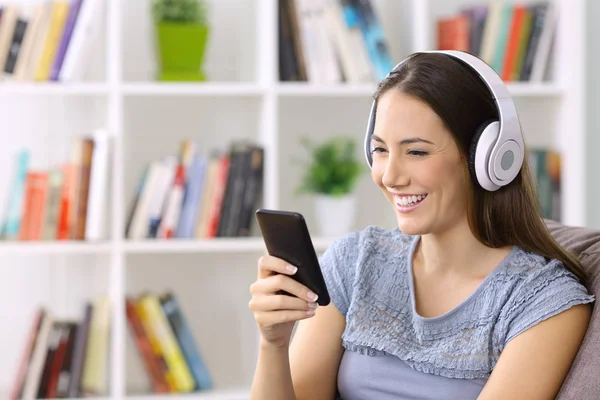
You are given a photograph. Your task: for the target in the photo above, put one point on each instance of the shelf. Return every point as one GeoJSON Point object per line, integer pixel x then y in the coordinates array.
{"type": "Point", "coordinates": [522, 89]}
{"type": "Point", "coordinates": [307, 89]}
{"type": "Point", "coordinates": [302, 89]}
{"type": "Point", "coordinates": [54, 88]}
{"type": "Point", "coordinates": [233, 245]}
{"type": "Point", "coordinates": [193, 89]}
{"type": "Point", "coordinates": [54, 247]}
{"type": "Point", "coordinates": [286, 89]}
{"type": "Point", "coordinates": [224, 394]}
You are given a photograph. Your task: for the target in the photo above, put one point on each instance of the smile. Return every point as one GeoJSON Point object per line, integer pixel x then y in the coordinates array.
{"type": "Point", "coordinates": [406, 203]}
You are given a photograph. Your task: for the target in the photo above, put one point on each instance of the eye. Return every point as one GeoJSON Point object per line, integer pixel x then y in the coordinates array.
{"type": "Point", "coordinates": [417, 153]}
{"type": "Point", "coordinates": [377, 150]}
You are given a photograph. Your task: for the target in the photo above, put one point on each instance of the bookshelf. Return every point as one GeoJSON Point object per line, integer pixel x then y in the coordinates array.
{"type": "Point", "coordinates": [243, 99]}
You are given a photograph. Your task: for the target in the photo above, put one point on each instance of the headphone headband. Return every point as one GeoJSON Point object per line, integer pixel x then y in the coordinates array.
{"type": "Point", "coordinates": [504, 154]}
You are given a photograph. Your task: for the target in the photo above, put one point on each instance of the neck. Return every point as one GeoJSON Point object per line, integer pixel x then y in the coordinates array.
{"type": "Point", "coordinates": [454, 251]}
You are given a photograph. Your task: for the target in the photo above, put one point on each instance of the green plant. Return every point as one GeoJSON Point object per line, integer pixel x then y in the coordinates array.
{"type": "Point", "coordinates": [333, 168]}
{"type": "Point", "coordinates": [180, 11]}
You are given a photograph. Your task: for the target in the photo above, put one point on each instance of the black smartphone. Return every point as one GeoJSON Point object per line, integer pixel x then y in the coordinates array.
{"type": "Point", "coordinates": [286, 236]}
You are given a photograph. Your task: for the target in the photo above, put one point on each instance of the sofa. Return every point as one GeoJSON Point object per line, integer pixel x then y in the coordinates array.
{"type": "Point", "coordinates": [583, 380]}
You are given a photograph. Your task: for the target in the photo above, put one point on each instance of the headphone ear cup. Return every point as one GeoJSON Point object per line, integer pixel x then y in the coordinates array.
{"type": "Point", "coordinates": [484, 139]}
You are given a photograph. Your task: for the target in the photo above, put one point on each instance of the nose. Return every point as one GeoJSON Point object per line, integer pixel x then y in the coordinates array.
{"type": "Point", "coordinates": [394, 174]}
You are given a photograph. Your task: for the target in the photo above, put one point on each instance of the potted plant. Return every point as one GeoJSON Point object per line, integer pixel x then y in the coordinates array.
{"type": "Point", "coordinates": [331, 176]}
{"type": "Point", "coordinates": [182, 33]}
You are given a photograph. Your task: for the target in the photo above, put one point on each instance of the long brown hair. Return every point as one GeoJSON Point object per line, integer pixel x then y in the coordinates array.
{"type": "Point", "coordinates": [509, 216]}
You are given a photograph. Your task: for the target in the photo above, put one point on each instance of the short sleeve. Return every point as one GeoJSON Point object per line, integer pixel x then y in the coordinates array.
{"type": "Point", "coordinates": [338, 264]}
{"type": "Point", "coordinates": [548, 291]}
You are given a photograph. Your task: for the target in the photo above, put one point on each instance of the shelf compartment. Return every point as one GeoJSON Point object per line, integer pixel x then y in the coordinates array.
{"type": "Point", "coordinates": [303, 89]}
{"type": "Point", "coordinates": [54, 247]}
{"type": "Point", "coordinates": [224, 394]}
{"type": "Point", "coordinates": [217, 245]}
{"type": "Point", "coordinates": [193, 89]}
{"type": "Point", "coordinates": [54, 89]}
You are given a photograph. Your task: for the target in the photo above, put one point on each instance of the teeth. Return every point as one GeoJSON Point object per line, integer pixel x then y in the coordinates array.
{"type": "Point", "coordinates": [409, 200]}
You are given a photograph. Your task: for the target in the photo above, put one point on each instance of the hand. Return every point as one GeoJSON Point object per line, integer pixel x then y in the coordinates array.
{"type": "Point", "coordinates": [277, 313]}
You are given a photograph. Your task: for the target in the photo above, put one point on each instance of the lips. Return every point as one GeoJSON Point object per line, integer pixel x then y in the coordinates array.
{"type": "Point", "coordinates": [406, 203]}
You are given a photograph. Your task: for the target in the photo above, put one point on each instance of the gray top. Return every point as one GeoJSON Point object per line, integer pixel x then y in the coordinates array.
{"type": "Point", "coordinates": [369, 278]}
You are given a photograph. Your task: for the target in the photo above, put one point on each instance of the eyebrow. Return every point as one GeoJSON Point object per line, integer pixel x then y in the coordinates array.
{"type": "Point", "coordinates": [403, 141]}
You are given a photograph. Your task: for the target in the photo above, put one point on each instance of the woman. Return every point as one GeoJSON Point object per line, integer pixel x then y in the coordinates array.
{"type": "Point", "coordinates": [469, 298]}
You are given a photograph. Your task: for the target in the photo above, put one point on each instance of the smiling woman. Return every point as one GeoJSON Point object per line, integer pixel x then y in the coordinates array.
{"type": "Point", "coordinates": [469, 298]}
{"type": "Point", "coordinates": [421, 159]}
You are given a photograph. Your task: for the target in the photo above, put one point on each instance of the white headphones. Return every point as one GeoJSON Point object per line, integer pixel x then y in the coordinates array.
{"type": "Point", "coordinates": [497, 150]}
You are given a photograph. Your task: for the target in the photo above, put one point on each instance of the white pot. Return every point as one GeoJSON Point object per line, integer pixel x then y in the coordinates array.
{"type": "Point", "coordinates": [335, 215]}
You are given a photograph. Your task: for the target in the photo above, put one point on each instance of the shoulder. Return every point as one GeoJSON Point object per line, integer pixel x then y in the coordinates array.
{"type": "Point", "coordinates": [345, 258]}
{"type": "Point", "coordinates": [372, 239]}
{"type": "Point", "coordinates": [536, 288]}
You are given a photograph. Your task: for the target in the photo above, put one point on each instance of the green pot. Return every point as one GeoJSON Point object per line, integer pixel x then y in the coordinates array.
{"type": "Point", "coordinates": [181, 49]}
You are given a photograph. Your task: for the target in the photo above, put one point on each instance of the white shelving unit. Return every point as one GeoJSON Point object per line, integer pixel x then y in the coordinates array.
{"type": "Point", "coordinates": [243, 99]}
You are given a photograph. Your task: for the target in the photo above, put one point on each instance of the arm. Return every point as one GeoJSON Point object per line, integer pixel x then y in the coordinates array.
{"type": "Point", "coordinates": [272, 378]}
{"type": "Point", "coordinates": [309, 370]}
{"type": "Point", "coordinates": [315, 354]}
{"type": "Point", "coordinates": [535, 363]}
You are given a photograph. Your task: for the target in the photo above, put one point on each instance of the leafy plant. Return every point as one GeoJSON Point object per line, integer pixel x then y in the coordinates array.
{"type": "Point", "coordinates": [333, 168]}
{"type": "Point", "coordinates": [180, 11]}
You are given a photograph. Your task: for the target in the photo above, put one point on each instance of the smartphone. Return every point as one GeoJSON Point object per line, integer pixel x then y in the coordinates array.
{"type": "Point", "coordinates": [286, 236]}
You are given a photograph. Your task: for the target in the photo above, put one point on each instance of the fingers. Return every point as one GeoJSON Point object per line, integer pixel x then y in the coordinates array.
{"type": "Point", "coordinates": [275, 283]}
{"type": "Point", "coordinates": [270, 318]}
{"type": "Point", "coordinates": [279, 303]}
{"type": "Point", "coordinates": [269, 265]}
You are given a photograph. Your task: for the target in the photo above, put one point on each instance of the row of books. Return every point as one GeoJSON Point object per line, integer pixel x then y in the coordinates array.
{"type": "Point", "coordinates": [196, 195]}
{"type": "Point", "coordinates": [63, 202]}
{"type": "Point", "coordinates": [49, 40]}
{"type": "Point", "coordinates": [330, 41]}
{"type": "Point", "coordinates": [515, 39]}
{"type": "Point", "coordinates": [165, 343]}
{"type": "Point", "coordinates": [65, 358]}
{"type": "Point", "coordinates": [69, 358]}
{"type": "Point", "coordinates": [545, 165]}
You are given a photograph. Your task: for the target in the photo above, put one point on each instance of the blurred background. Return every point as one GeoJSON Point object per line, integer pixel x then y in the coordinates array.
{"type": "Point", "coordinates": [139, 137]}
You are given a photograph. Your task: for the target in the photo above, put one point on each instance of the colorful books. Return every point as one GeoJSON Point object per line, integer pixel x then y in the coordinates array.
{"type": "Point", "coordinates": [204, 194]}
{"type": "Point", "coordinates": [516, 40]}
{"type": "Point", "coordinates": [63, 202]}
{"type": "Point", "coordinates": [48, 40]}
{"type": "Point", "coordinates": [166, 345]}
{"type": "Point", "coordinates": [65, 358]}
{"type": "Point", "coordinates": [331, 41]}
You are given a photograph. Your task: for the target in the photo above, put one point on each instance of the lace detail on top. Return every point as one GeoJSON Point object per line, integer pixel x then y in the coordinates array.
{"type": "Point", "coordinates": [369, 277]}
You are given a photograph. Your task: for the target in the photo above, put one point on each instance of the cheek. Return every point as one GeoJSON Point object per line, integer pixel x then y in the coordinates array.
{"type": "Point", "coordinates": [440, 173]}
{"type": "Point", "coordinates": [377, 171]}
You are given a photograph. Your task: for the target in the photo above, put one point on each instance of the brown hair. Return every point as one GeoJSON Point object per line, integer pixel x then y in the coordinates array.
{"type": "Point", "coordinates": [509, 216]}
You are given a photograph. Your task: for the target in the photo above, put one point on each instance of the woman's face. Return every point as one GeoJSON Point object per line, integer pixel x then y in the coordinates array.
{"type": "Point", "coordinates": [417, 165]}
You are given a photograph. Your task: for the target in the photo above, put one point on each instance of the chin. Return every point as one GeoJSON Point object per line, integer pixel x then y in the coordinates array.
{"type": "Point", "coordinates": [410, 227]}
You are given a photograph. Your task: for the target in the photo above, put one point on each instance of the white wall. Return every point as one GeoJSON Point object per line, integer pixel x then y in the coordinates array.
{"type": "Point", "coordinates": [593, 117]}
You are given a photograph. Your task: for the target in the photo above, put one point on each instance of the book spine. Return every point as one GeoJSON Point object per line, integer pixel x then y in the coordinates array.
{"type": "Point", "coordinates": [78, 360]}
{"type": "Point", "coordinates": [60, 8]}
{"type": "Point", "coordinates": [15, 47]}
{"type": "Point", "coordinates": [252, 193]}
{"type": "Point", "coordinates": [94, 227]}
{"type": "Point", "coordinates": [66, 37]}
{"type": "Point", "coordinates": [12, 225]}
{"type": "Point", "coordinates": [154, 367]}
{"type": "Point", "coordinates": [24, 362]}
{"type": "Point", "coordinates": [85, 32]}
{"type": "Point", "coordinates": [83, 188]}
{"type": "Point", "coordinates": [186, 340]}
{"type": "Point", "coordinates": [189, 205]}
{"type": "Point", "coordinates": [182, 377]}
